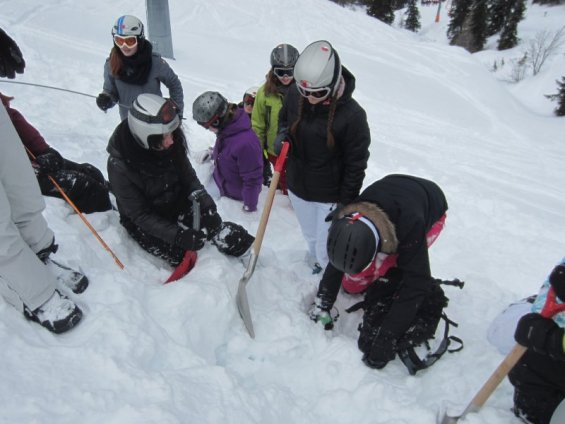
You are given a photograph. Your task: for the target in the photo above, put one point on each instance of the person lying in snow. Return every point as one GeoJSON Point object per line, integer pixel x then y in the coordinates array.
{"type": "Point", "coordinates": [153, 180]}
{"type": "Point", "coordinates": [83, 183]}
{"type": "Point", "coordinates": [539, 376]}
{"type": "Point", "coordinates": [388, 227]}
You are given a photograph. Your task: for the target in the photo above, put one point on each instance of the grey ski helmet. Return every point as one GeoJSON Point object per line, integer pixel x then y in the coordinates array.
{"type": "Point", "coordinates": [209, 108]}
{"type": "Point", "coordinates": [352, 243]}
{"type": "Point", "coordinates": [284, 56]}
{"type": "Point", "coordinates": [128, 25]}
{"type": "Point", "coordinates": [151, 114]}
{"type": "Point", "coordinates": [318, 67]}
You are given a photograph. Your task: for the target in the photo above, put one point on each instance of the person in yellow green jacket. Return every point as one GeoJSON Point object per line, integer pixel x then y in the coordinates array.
{"type": "Point", "coordinates": [269, 101]}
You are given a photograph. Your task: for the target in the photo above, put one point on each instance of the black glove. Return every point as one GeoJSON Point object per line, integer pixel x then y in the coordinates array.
{"type": "Point", "coordinates": [282, 135]}
{"type": "Point", "coordinates": [267, 172]}
{"type": "Point", "coordinates": [383, 350]}
{"type": "Point", "coordinates": [104, 101]}
{"type": "Point", "coordinates": [540, 334]}
{"type": "Point", "coordinates": [11, 59]}
{"type": "Point", "coordinates": [190, 239]}
{"type": "Point", "coordinates": [210, 220]}
{"type": "Point", "coordinates": [49, 161]}
{"type": "Point", "coordinates": [557, 281]}
{"type": "Point", "coordinates": [336, 209]}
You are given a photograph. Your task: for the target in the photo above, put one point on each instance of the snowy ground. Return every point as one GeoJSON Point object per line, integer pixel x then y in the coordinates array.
{"type": "Point", "coordinates": [179, 353]}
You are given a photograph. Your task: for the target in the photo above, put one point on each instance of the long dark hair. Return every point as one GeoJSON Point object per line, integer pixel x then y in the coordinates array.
{"type": "Point", "coordinates": [330, 137]}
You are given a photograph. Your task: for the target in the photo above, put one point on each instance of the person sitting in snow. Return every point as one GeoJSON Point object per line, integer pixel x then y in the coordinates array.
{"type": "Point", "coordinates": [384, 231]}
{"type": "Point", "coordinates": [237, 155]}
{"type": "Point", "coordinates": [133, 68]}
{"type": "Point", "coordinates": [539, 376]}
{"type": "Point", "coordinates": [153, 181]}
{"type": "Point", "coordinates": [83, 183]}
{"type": "Point", "coordinates": [29, 277]}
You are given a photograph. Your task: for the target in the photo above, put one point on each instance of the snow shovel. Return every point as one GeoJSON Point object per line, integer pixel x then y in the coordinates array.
{"type": "Point", "coordinates": [189, 260]}
{"type": "Point", "coordinates": [549, 309]}
{"type": "Point", "coordinates": [241, 296]}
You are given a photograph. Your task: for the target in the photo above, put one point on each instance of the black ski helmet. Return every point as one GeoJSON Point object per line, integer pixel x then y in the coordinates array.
{"type": "Point", "coordinates": [209, 106]}
{"type": "Point", "coordinates": [352, 243]}
{"type": "Point", "coordinates": [318, 66]}
{"type": "Point", "coordinates": [284, 56]}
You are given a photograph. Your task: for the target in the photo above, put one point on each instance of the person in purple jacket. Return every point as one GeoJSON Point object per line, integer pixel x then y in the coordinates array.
{"type": "Point", "coordinates": [237, 156]}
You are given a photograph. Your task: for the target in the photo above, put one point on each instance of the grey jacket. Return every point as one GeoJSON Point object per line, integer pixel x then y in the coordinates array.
{"type": "Point", "coordinates": [124, 93]}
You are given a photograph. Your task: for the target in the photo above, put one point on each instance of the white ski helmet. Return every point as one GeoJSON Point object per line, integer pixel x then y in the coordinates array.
{"type": "Point", "coordinates": [208, 108]}
{"type": "Point", "coordinates": [318, 67]}
{"type": "Point", "coordinates": [128, 25]}
{"type": "Point", "coordinates": [251, 91]}
{"type": "Point", "coordinates": [151, 114]}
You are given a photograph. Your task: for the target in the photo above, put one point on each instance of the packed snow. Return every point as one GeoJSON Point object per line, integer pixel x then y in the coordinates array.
{"type": "Point", "coordinates": [179, 353]}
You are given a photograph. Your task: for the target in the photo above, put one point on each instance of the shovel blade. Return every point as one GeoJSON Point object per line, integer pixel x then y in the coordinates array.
{"type": "Point", "coordinates": [187, 263]}
{"type": "Point", "coordinates": [243, 306]}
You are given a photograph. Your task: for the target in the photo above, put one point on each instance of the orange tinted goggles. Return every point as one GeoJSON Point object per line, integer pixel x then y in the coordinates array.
{"type": "Point", "coordinates": [129, 41]}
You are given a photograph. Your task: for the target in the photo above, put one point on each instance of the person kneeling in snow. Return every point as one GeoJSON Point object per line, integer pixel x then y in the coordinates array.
{"type": "Point", "coordinates": [387, 228]}
{"type": "Point", "coordinates": [153, 182]}
{"type": "Point", "coordinates": [83, 183]}
{"type": "Point", "coordinates": [539, 376]}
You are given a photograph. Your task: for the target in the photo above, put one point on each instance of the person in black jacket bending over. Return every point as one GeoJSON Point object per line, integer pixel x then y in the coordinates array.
{"type": "Point", "coordinates": [152, 179]}
{"type": "Point", "coordinates": [329, 143]}
{"type": "Point", "coordinates": [390, 225]}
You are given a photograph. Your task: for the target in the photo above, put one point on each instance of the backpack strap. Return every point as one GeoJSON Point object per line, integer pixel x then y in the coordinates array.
{"type": "Point", "coordinates": [413, 362]}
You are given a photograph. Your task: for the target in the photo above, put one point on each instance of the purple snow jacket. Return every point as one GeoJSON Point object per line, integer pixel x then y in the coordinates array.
{"type": "Point", "coordinates": [238, 160]}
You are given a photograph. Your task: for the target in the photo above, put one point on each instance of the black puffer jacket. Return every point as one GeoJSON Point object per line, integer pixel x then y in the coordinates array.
{"type": "Point", "coordinates": [313, 171]}
{"type": "Point", "coordinates": [403, 208]}
{"type": "Point", "coordinates": [151, 188]}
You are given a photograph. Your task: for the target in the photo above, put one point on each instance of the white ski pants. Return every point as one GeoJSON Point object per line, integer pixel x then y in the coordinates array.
{"type": "Point", "coordinates": [311, 217]}
{"type": "Point", "coordinates": [23, 230]}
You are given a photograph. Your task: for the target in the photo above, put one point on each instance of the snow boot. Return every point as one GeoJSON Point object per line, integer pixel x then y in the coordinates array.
{"type": "Point", "coordinates": [68, 277]}
{"type": "Point", "coordinates": [58, 314]}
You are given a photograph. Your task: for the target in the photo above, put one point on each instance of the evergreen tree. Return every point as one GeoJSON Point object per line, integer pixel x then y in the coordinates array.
{"type": "Point", "coordinates": [412, 17]}
{"type": "Point", "coordinates": [498, 10]}
{"type": "Point", "coordinates": [381, 9]}
{"type": "Point", "coordinates": [458, 13]}
{"type": "Point", "coordinates": [560, 97]}
{"type": "Point", "coordinates": [508, 36]}
{"type": "Point", "coordinates": [478, 25]}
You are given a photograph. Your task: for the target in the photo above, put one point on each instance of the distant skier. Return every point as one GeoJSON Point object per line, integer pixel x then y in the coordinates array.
{"type": "Point", "coordinates": [27, 243]}
{"type": "Point", "coordinates": [152, 180]}
{"type": "Point", "coordinates": [133, 68]}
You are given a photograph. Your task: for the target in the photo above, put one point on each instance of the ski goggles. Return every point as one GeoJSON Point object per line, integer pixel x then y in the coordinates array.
{"type": "Point", "coordinates": [165, 115]}
{"type": "Point", "coordinates": [248, 100]}
{"type": "Point", "coordinates": [214, 122]}
{"type": "Point", "coordinates": [129, 41]}
{"type": "Point", "coordinates": [283, 72]}
{"type": "Point", "coordinates": [318, 93]}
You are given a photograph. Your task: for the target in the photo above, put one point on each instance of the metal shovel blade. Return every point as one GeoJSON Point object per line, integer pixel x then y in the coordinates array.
{"type": "Point", "coordinates": [241, 296]}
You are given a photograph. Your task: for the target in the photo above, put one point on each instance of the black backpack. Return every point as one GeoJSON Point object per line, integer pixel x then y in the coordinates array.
{"type": "Point", "coordinates": [376, 304]}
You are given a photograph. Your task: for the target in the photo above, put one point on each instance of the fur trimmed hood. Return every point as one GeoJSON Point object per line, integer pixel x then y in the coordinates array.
{"type": "Point", "coordinates": [385, 228]}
